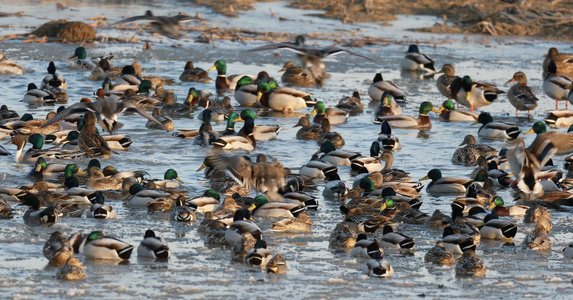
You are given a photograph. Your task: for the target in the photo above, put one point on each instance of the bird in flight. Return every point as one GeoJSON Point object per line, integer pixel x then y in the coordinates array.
{"type": "Point", "coordinates": [164, 25]}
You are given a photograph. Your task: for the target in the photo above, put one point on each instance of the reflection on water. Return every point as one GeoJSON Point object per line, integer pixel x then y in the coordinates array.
{"type": "Point", "coordinates": [196, 270]}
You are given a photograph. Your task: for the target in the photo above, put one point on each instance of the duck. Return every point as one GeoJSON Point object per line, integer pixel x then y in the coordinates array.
{"type": "Point", "coordinates": [319, 169]}
{"type": "Point", "coordinates": [536, 212]}
{"type": "Point", "coordinates": [336, 157]}
{"type": "Point", "coordinates": [283, 99]}
{"type": "Point", "coordinates": [8, 67]}
{"type": "Point", "coordinates": [568, 251]}
{"type": "Point", "coordinates": [469, 265]}
{"type": "Point", "coordinates": [224, 82]}
{"type": "Point", "coordinates": [209, 201]}
{"type": "Point", "coordinates": [342, 237]}
{"type": "Point", "coordinates": [153, 247]}
{"type": "Point", "coordinates": [105, 110]}
{"type": "Point", "coordinates": [521, 96]}
{"type": "Point", "coordinates": [311, 58]}
{"type": "Point", "coordinates": [391, 239]}
{"type": "Point", "coordinates": [53, 79]}
{"type": "Point", "coordinates": [90, 141]}
{"type": "Point", "coordinates": [494, 228]}
{"type": "Point", "coordinates": [471, 151]}
{"type": "Point", "coordinates": [563, 62]}
{"type": "Point", "coordinates": [296, 76]}
{"type": "Point", "coordinates": [155, 80]}
{"type": "Point", "coordinates": [167, 123]}
{"type": "Point", "coordinates": [307, 130]}
{"type": "Point", "coordinates": [445, 185]}
{"type": "Point", "coordinates": [538, 238]}
{"type": "Point", "coordinates": [457, 243]}
{"type": "Point", "coordinates": [263, 208]}
{"type": "Point", "coordinates": [334, 115]}
{"type": "Point", "coordinates": [299, 224]}
{"type": "Point", "coordinates": [408, 122]}
{"type": "Point", "coordinates": [99, 246]}
{"type": "Point", "coordinates": [491, 129]}
{"type": "Point", "coordinates": [378, 267]}
{"type": "Point", "coordinates": [182, 212]}
{"type": "Point", "coordinates": [563, 142]}
{"type": "Point", "coordinates": [438, 220]}
{"type": "Point", "coordinates": [259, 255]}
{"type": "Point", "coordinates": [498, 208]}
{"type": "Point", "coordinates": [58, 249]}
{"type": "Point", "coordinates": [329, 136]}
{"type": "Point", "coordinates": [473, 94]}
{"type": "Point", "coordinates": [260, 132]}
{"type": "Point", "coordinates": [559, 118]}
{"type": "Point", "coordinates": [128, 80]}
{"type": "Point", "coordinates": [6, 211]}
{"type": "Point", "coordinates": [379, 86]}
{"type": "Point", "coordinates": [82, 62]}
{"type": "Point", "coordinates": [416, 61]}
{"type": "Point", "coordinates": [386, 139]}
{"type": "Point", "coordinates": [100, 210]}
{"type": "Point", "coordinates": [246, 92]}
{"type": "Point", "coordinates": [72, 270]}
{"type": "Point", "coordinates": [232, 142]}
{"type": "Point", "coordinates": [365, 248]}
{"type": "Point", "coordinates": [193, 74]}
{"type": "Point", "coordinates": [449, 113]}
{"type": "Point", "coordinates": [241, 225]}
{"type": "Point", "coordinates": [445, 81]}
{"type": "Point", "coordinates": [35, 216]}
{"type": "Point", "coordinates": [34, 95]}
{"type": "Point", "coordinates": [439, 255]}
{"type": "Point", "coordinates": [140, 196]}
{"type": "Point", "coordinates": [371, 163]}
{"type": "Point", "coordinates": [164, 25]}
{"type": "Point", "coordinates": [556, 86]}
{"type": "Point", "coordinates": [351, 104]}
{"type": "Point", "coordinates": [277, 265]}
{"type": "Point", "coordinates": [388, 107]}
{"type": "Point", "coordinates": [98, 181]}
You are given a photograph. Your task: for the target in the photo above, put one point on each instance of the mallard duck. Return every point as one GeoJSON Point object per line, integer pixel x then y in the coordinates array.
{"type": "Point", "coordinates": [365, 248]}
{"type": "Point", "coordinates": [167, 123]}
{"type": "Point", "coordinates": [141, 98]}
{"type": "Point", "coordinates": [416, 61]}
{"type": "Point", "coordinates": [224, 82]}
{"type": "Point", "coordinates": [193, 74]}
{"type": "Point", "coordinates": [563, 61]}
{"type": "Point", "coordinates": [182, 212]}
{"type": "Point", "coordinates": [470, 265]}
{"type": "Point", "coordinates": [379, 86]}
{"type": "Point", "coordinates": [105, 110]}
{"type": "Point", "coordinates": [336, 157]}
{"type": "Point", "coordinates": [385, 137]}
{"type": "Point", "coordinates": [445, 185]}
{"type": "Point", "coordinates": [521, 96]}
{"type": "Point", "coordinates": [491, 129]}
{"type": "Point", "coordinates": [457, 243]}
{"type": "Point", "coordinates": [296, 76]}
{"type": "Point", "coordinates": [277, 265]}
{"type": "Point", "coordinates": [536, 212]}
{"type": "Point", "coordinates": [470, 153]}
{"type": "Point", "coordinates": [153, 246]}
{"type": "Point", "coordinates": [371, 163]}
{"type": "Point", "coordinates": [241, 224]}
{"type": "Point", "coordinates": [34, 95]}
{"type": "Point", "coordinates": [319, 169]}
{"type": "Point", "coordinates": [494, 228]}
{"type": "Point", "coordinates": [58, 249]}
{"type": "Point", "coordinates": [140, 196]}
{"type": "Point", "coordinates": [311, 58]}
{"type": "Point", "coordinates": [538, 239]}
{"type": "Point", "coordinates": [258, 255]}
{"type": "Point", "coordinates": [263, 208]}
{"type": "Point", "coordinates": [439, 255]}
{"type": "Point", "coordinates": [81, 61]}
{"type": "Point", "coordinates": [473, 94]}
{"type": "Point", "coordinates": [438, 220]}
{"type": "Point", "coordinates": [299, 224]}
{"type": "Point", "coordinates": [99, 246]}
{"type": "Point", "coordinates": [154, 80]}
{"type": "Point", "coordinates": [128, 80]}
{"type": "Point", "coordinates": [563, 142]}
{"type": "Point", "coordinates": [8, 67]}
{"type": "Point", "coordinates": [329, 136]}
{"type": "Point", "coordinates": [90, 141]}
{"type": "Point", "coordinates": [6, 211]}
{"type": "Point", "coordinates": [378, 267]}
{"type": "Point", "coordinates": [387, 106]}
{"type": "Point", "coordinates": [98, 181]}
{"type": "Point", "coordinates": [351, 104]}
{"type": "Point", "coordinates": [568, 251]}
{"type": "Point", "coordinates": [72, 270]}
{"type": "Point", "coordinates": [233, 142]}
{"type": "Point", "coordinates": [307, 130]}
{"type": "Point", "coordinates": [54, 79]}
{"type": "Point", "coordinates": [408, 122]}
{"type": "Point", "coordinates": [209, 201]}
{"type": "Point", "coordinates": [100, 210]}
{"type": "Point", "coordinates": [164, 25]}
{"type": "Point", "coordinates": [246, 92]}
{"type": "Point", "coordinates": [449, 113]}
{"type": "Point", "coordinates": [444, 82]}
{"type": "Point", "coordinates": [556, 86]}
{"type": "Point", "coordinates": [559, 118]}
{"type": "Point", "coordinates": [260, 132]}
{"type": "Point", "coordinates": [391, 239]}
{"type": "Point", "coordinates": [334, 115]}
{"type": "Point", "coordinates": [283, 99]}
{"type": "Point", "coordinates": [342, 237]}
{"type": "Point", "coordinates": [36, 217]}
{"type": "Point", "coordinates": [498, 208]}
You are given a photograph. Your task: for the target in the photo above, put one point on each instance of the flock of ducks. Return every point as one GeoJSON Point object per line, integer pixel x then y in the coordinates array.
{"type": "Point", "coordinates": [380, 197]}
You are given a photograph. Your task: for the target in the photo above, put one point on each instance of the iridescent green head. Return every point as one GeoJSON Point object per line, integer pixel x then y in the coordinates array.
{"type": "Point", "coordinates": [467, 83]}
{"type": "Point", "coordinates": [426, 107]}
{"type": "Point", "coordinates": [388, 203]}
{"type": "Point", "coordinates": [80, 53]}
{"type": "Point", "coordinates": [449, 105]}
{"type": "Point", "coordinates": [40, 164]}
{"type": "Point", "coordinates": [497, 201]}
{"type": "Point", "coordinates": [136, 188]}
{"type": "Point", "coordinates": [71, 169]}
{"type": "Point", "coordinates": [206, 116]}
{"type": "Point", "coordinates": [367, 184]}
{"type": "Point", "coordinates": [484, 118]}
{"type": "Point", "coordinates": [192, 97]}
{"type": "Point", "coordinates": [375, 149]}
{"type": "Point", "coordinates": [109, 171]}
{"type": "Point", "coordinates": [245, 80]}
{"type": "Point", "coordinates": [319, 108]}
{"type": "Point", "coordinates": [247, 113]}
{"type": "Point", "coordinates": [326, 147]}
{"type": "Point", "coordinates": [220, 66]}
{"type": "Point", "coordinates": [232, 119]}
{"type": "Point", "coordinates": [260, 200]}
{"type": "Point", "coordinates": [538, 127]}
{"type": "Point", "coordinates": [481, 175]}
{"type": "Point", "coordinates": [433, 174]}
{"type": "Point", "coordinates": [36, 140]}
{"type": "Point", "coordinates": [171, 175]}
{"type": "Point", "coordinates": [95, 235]}
{"type": "Point", "coordinates": [74, 134]}
{"type": "Point", "coordinates": [145, 86]}
{"type": "Point", "coordinates": [128, 70]}
{"type": "Point", "coordinates": [264, 88]}
{"type": "Point", "coordinates": [386, 99]}
{"type": "Point", "coordinates": [26, 117]}
{"type": "Point", "coordinates": [212, 194]}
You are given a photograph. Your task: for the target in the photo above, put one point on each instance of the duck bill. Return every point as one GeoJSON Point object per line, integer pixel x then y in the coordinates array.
{"type": "Point", "coordinates": [80, 171]}
{"type": "Point", "coordinates": [441, 109]}
{"type": "Point", "coordinates": [213, 68]}
{"type": "Point", "coordinates": [38, 168]}
{"type": "Point", "coordinates": [492, 205]}
{"type": "Point", "coordinates": [424, 178]}
{"type": "Point", "coordinates": [476, 122]}
{"type": "Point", "coordinates": [510, 81]}
{"type": "Point", "coordinates": [239, 119]}
{"type": "Point", "coordinates": [383, 207]}
{"type": "Point", "coordinates": [259, 96]}
{"type": "Point", "coordinates": [313, 112]}
{"type": "Point", "coordinates": [569, 86]}
{"type": "Point", "coordinates": [179, 179]}
{"type": "Point", "coordinates": [282, 70]}
{"type": "Point", "coordinates": [529, 131]}
{"type": "Point", "coordinates": [252, 207]}
{"type": "Point", "coordinates": [203, 166]}
{"type": "Point", "coordinates": [468, 97]}
{"type": "Point", "coordinates": [73, 56]}
{"type": "Point", "coordinates": [437, 110]}
{"type": "Point", "coordinates": [318, 152]}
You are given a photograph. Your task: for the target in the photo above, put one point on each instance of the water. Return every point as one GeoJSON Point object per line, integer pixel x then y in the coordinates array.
{"type": "Point", "coordinates": [314, 271]}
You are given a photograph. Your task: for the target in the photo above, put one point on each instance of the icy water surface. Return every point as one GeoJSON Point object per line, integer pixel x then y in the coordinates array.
{"type": "Point", "coordinates": [196, 271]}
